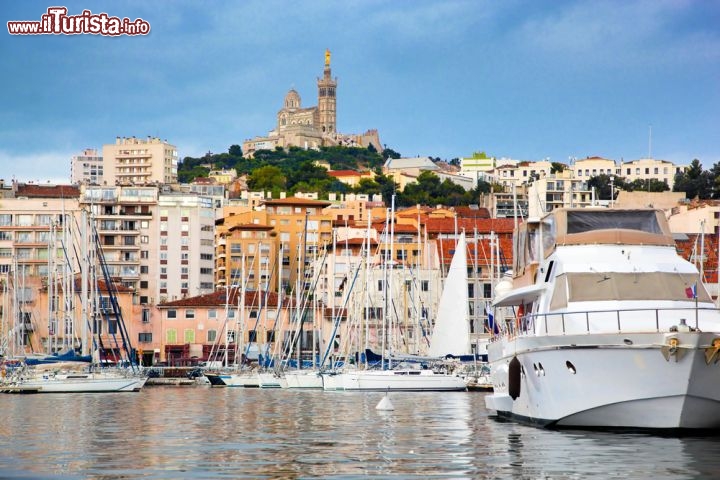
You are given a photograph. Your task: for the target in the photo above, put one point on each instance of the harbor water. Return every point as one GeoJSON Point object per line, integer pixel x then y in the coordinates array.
{"type": "Point", "coordinates": [204, 433]}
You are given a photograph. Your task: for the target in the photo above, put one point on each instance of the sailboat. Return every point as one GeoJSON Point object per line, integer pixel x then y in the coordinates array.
{"type": "Point", "coordinates": [405, 376]}
{"type": "Point", "coordinates": [451, 334]}
{"type": "Point", "coordinates": [69, 372]}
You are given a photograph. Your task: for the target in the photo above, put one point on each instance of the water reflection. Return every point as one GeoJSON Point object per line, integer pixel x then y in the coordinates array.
{"type": "Point", "coordinates": [190, 432]}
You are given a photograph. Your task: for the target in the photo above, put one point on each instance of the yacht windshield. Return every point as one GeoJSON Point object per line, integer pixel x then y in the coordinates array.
{"type": "Point", "coordinates": [643, 220]}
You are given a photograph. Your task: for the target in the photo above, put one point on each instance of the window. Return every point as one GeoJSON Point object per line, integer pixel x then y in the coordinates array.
{"type": "Point", "coordinates": [172, 314]}
{"type": "Point", "coordinates": [144, 337]}
{"type": "Point", "coordinates": [146, 315]}
{"type": "Point", "coordinates": [171, 336]}
{"type": "Point", "coordinates": [189, 313]}
{"type": "Point", "coordinates": [212, 313]}
{"type": "Point", "coordinates": [211, 336]}
{"type": "Point", "coordinates": [380, 285]}
{"type": "Point", "coordinates": [252, 336]}
{"type": "Point", "coordinates": [189, 335]}
{"type": "Point", "coordinates": [425, 285]}
{"type": "Point", "coordinates": [231, 336]}
{"type": "Point", "coordinates": [143, 284]}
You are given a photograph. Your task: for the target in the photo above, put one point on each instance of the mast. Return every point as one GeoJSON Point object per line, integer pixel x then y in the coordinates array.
{"type": "Point", "coordinates": [84, 287]}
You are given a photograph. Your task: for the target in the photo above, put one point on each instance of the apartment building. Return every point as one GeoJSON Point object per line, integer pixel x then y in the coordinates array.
{"type": "Point", "coordinates": [561, 189]}
{"type": "Point", "coordinates": [139, 161]}
{"type": "Point", "coordinates": [186, 245]}
{"type": "Point", "coordinates": [157, 243]}
{"type": "Point", "coordinates": [87, 167]}
{"type": "Point", "coordinates": [295, 222]}
{"type": "Point", "coordinates": [33, 221]}
{"type": "Point", "coordinates": [586, 168]}
{"type": "Point", "coordinates": [650, 169]}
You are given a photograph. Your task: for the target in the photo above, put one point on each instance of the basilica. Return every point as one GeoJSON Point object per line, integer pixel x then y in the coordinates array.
{"type": "Point", "coordinates": [311, 127]}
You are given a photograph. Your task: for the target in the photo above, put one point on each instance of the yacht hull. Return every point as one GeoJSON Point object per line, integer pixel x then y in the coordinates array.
{"type": "Point", "coordinates": [396, 380]}
{"type": "Point", "coordinates": [304, 379]}
{"type": "Point", "coordinates": [608, 380]}
{"type": "Point", "coordinates": [76, 383]}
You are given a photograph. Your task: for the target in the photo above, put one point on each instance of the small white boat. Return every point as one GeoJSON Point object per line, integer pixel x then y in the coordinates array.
{"type": "Point", "coordinates": [303, 379]}
{"type": "Point", "coordinates": [31, 381]}
{"type": "Point", "coordinates": [270, 379]}
{"type": "Point", "coordinates": [246, 379]}
{"type": "Point", "coordinates": [395, 380]}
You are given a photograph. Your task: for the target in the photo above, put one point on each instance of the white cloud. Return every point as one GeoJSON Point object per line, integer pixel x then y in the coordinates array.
{"type": "Point", "coordinates": [42, 167]}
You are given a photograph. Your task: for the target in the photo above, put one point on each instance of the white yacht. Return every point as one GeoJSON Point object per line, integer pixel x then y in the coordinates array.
{"type": "Point", "coordinates": [604, 325]}
{"type": "Point", "coordinates": [46, 380]}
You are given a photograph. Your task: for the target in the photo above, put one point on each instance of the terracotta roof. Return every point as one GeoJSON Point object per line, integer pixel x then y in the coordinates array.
{"type": "Point", "coordinates": [483, 225]}
{"type": "Point", "coordinates": [344, 173]}
{"type": "Point", "coordinates": [102, 286]}
{"type": "Point", "coordinates": [47, 191]}
{"type": "Point", "coordinates": [219, 299]}
{"type": "Point", "coordinates": [298, 201]}
{"type": "Point", "coordinates": [477, 253]}
{"type": "Point", "coordinates": [467, 212]}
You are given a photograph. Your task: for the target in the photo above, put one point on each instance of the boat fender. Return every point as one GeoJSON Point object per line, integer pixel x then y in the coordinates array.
{"type": "Point", "coordinates": [514, 378]}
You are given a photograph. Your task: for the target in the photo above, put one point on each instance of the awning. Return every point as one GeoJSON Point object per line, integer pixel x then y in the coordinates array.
{"type": "Point", "coordinates": [519, 296]}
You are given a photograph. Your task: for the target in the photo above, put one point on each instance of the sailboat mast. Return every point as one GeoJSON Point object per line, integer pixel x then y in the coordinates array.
{"type": "Point", "coordinates": [84, 287]}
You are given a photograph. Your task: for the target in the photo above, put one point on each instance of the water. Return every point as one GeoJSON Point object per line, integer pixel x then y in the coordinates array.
{"type": "Point", "coordinates": [206, 433]}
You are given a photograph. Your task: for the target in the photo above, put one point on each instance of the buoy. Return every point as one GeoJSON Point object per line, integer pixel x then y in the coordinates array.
{"type": "Point", "coordinates": [385, 403]}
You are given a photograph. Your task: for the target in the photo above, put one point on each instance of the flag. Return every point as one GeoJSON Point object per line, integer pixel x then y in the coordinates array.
{"type": "Point", "coordinates": [691, 292]}
{"type": "Point", "coordinates": [491, 319]}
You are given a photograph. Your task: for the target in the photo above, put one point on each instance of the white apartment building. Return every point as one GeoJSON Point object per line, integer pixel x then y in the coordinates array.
{"type": "Point", "coordinates": [159, 244]}
{"type": "Point", "coordinates": [586, 168]}
{"type": "Point", "coordinates": [87, 167]}
{"type": "Point", "coordinates": [650, 168]}
{"type": "Point", "coordinates": [32, 227]}
{"type": "Point", "coordinates": [138, 161]}
{"type": "Point", "coordinates": [186, 257]}
{"type": "Point", "coordinates": [558, 190]}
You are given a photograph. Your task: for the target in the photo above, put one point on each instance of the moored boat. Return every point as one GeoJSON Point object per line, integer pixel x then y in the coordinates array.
{"type": "Point", "coordinates": [604, 326]}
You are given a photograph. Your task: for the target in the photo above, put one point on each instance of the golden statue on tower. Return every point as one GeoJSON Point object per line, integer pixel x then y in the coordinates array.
{"type": "Point", "coordinates": [327, 57]}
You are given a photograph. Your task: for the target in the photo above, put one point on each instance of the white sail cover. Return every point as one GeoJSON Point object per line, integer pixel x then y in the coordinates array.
{"type": "Point", "coordinates": [451, 335]}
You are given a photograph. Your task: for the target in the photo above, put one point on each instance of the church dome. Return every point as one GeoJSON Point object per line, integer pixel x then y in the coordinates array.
{"type": "Point", "coordinates": [292, 99]}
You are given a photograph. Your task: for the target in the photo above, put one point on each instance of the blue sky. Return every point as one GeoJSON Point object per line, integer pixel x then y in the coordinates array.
{"type": "Point", "coordinates": [525, 80]}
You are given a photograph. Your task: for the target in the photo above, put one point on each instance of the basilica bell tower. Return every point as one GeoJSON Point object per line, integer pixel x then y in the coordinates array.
{"type": "Point", "coordinates": [327, 87]}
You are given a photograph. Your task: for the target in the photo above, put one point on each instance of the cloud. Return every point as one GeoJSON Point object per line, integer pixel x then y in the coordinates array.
{"type": "Point", "coordinates": [43, 167]}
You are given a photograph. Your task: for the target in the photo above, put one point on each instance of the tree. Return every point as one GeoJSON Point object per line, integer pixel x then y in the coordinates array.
{"type": "Point", "coordinates": [556, 167]}
{"type": "Point", "coordinates": [651, 185]}
{"type": "Point", "coordinates": [695, 182]}
{"type": "Point", "coordinates": [603, 185]}
{"type": "Point", "coordinates": [367, 186]}
{"type": "Point", "coordinates": [390, 153]}
{"type": "Point", "coordinates": [235, 151]}
{"type": "Point", "coordinates": [266, 178]}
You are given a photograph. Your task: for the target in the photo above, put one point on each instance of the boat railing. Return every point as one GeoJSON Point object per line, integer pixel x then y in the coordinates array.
{"type": "Point", "coordinates": [614, 321]}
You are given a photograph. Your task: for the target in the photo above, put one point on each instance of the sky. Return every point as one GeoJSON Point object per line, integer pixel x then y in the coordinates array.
{"type": "Point", "coordinates": [527, 80]}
